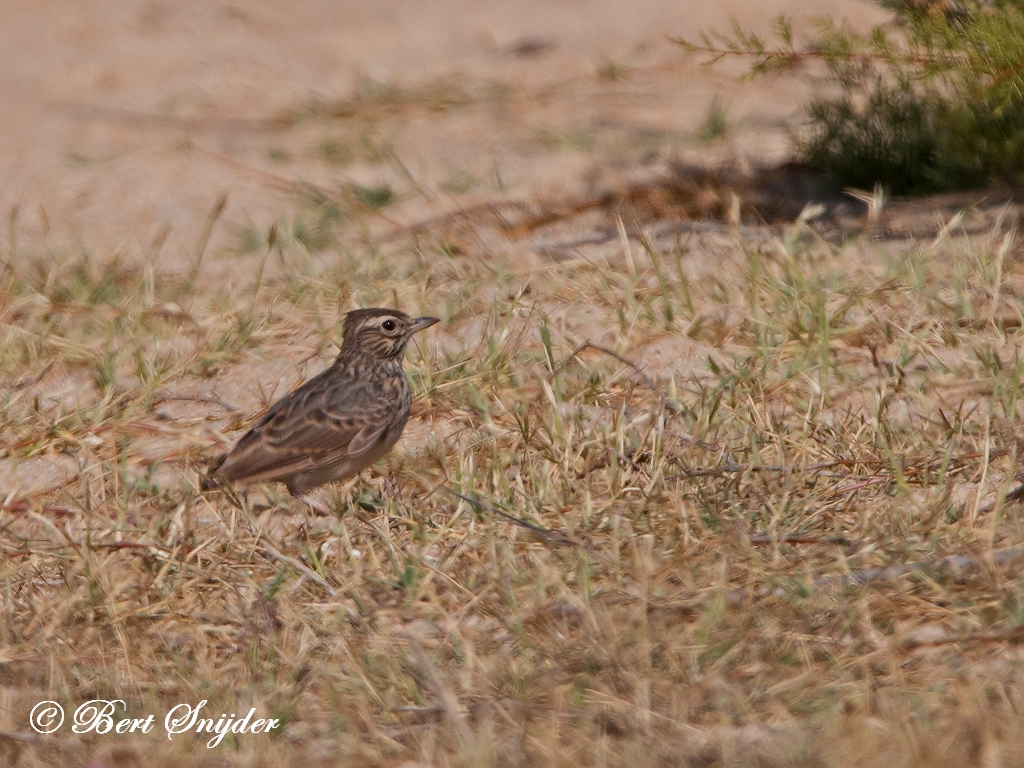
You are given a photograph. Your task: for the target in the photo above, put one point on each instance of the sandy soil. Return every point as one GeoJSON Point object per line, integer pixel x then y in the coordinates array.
{"type": "Point", "coordinates": [122, 119]}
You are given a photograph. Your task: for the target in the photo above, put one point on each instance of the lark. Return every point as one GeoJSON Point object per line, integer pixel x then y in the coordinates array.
{"type": "Point", "coordinates": [340, 421]}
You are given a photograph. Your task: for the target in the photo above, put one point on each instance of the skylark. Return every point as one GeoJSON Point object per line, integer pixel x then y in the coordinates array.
{"type": "Point", "coordinates": [340, 421]}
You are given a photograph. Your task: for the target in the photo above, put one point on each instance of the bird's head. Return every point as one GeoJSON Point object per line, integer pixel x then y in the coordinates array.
{"type": "Point", "coordinates": [380, 333]}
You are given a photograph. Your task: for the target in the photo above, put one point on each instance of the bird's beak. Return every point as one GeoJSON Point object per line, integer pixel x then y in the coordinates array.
{"type": "Point", "coordinates": [422, 322]}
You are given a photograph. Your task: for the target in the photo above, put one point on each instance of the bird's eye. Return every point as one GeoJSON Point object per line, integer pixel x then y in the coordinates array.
{"type": "Point", "coordinates": [389, 325]}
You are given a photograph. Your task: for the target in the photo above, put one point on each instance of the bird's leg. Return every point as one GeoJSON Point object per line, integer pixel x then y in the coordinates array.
{"type": "Point", "coordinates": [393, 487]}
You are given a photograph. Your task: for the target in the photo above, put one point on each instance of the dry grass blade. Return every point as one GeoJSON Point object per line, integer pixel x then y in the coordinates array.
{"type": "Point", "coordinates": [301, 567]}
{"type": "Point", "coordinates": [204, 238]}
{"type": "Point", "coordinates": [949, 564]}
{"type": "Point", "coordinates": [212, 399]}
{"type": "Point", "coordinates": [446, 698]}
{"type": "Point", "coordinates": [544, 534]}
{"type": "Point", "coordinates": [1001, 636]}
{"type": "Point", "coordinates": [30, 381]}
{"type": "Point", "coordinates": [796, 538]}
{"type": "Point", "coordinates": [862, 411]}
{"type": "Point", "coordinates": [665, 402]}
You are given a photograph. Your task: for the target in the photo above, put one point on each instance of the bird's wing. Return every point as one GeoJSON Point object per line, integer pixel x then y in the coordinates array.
{"type": "Point", "coordinates": [308, 428]}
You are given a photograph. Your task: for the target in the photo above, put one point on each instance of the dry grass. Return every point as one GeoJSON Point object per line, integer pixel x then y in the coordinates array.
{"type": "Point", "coordinates": [819, 409]}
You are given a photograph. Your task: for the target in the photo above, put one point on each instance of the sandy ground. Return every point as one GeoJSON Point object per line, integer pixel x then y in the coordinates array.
{"type": "Point", "coordinates": [123, 119]}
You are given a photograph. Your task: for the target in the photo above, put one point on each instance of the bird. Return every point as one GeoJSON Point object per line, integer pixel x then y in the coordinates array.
{"type": "Point", "coordinates": [340, 421]}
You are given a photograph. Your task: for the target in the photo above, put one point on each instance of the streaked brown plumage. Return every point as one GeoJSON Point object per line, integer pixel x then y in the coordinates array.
{"type": "Point", "coordinates": [338, 422]}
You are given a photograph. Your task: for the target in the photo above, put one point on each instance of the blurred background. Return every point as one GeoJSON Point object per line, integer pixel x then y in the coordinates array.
{"type": "Point", "coordinates": [124, 122]}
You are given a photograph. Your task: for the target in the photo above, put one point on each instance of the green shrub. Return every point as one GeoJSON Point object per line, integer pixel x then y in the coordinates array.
{"type": "Point", "coordinates": [934, 103]}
